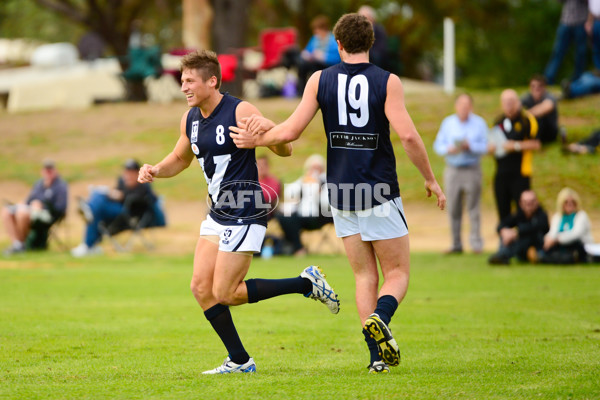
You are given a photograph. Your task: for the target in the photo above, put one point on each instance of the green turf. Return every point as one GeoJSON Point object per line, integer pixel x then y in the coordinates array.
{"type": "Point", "coordinates": [127, 327]}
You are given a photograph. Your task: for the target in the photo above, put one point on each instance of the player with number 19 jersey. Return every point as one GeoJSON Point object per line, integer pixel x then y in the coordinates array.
{"type": "Point", "coordinates": [231, 173]}
{"type": "Point", "coordinates": [359, 152]}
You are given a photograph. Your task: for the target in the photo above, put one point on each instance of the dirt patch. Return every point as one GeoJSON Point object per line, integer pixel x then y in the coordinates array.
{"type": "Point", "coordinates": [429, 227]}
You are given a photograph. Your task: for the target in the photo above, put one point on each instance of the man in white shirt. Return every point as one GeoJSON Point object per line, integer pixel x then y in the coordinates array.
{"type": "Point", "coordinates": [462, 140]}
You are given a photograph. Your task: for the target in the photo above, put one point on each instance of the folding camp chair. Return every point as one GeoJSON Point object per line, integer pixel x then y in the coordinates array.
{"type": "Point", "coordinates": [138, 217]}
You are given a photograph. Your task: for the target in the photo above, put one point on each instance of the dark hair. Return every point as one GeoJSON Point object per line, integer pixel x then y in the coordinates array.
{"type": "Point", "coordinates": [355, 33]}
{"type": "Point", "coordinates": [132, 165]}
{"type": "Point", "coordinates": [538, 78]}
{"type": "Point", "coordinates": [205, 62]}
{"type": "Point", "coordinates": [320, 22]}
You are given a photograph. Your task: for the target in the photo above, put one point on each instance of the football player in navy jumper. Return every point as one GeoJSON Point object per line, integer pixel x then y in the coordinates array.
{"type": "Point", "coordinates": [236, 224]}
{"type": "Point", "coordinates": [359, 101]}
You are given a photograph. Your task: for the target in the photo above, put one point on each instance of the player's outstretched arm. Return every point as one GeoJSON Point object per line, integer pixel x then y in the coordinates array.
{"type": "Point", "coordinates": [396, 112]}
{"type": "Point", "coordinates": [253, 131]}
{"type": "Point", "coordinates": [243, 112]}
{"type": "Point", "coordinates": [175, 162]}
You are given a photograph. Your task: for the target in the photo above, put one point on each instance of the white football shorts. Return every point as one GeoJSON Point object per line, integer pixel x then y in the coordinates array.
{"type": "Point", "coordinates": [385, 221]}
{"type": "Point", "coordinates": [234, 238]}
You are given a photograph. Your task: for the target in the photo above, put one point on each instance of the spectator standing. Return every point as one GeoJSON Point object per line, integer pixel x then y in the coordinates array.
{"type": "Point", "coordinates": [110, 206]}
{"type": "Point", "coordinates": [379, 51]}
{"type": "Point", "coordinates": [570, 230]}
{"type": "Point", "coordinates": [27, 224]}
{"type": "Point", "coordinates": [592, 27]}
{"type": "Point", "coordinates": [519, 130]}
{"type": "Point", "coordinates": [320, 52]}
{"type": "Point", "coordinates": [544, 108]}
{"type": "Point", "coordinates": [570, 30]}
{"type": "Point", "coordinates": [462, 140]}
{"type": "Point", "coordinates": [522, 233]}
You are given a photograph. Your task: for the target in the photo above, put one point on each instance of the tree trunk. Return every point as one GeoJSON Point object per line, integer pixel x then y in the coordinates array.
{"type": "Point", "coordinates": [229, 35]}
{"type": "Point", "coordinates": [197, 22]}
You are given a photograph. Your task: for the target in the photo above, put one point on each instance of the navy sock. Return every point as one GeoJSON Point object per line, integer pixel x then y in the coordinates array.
{"type": "Point", "coordinates": [261, 289]}
{"type": "Point", "coordinates": [372, 345]}
{"type": "Point", "coordinates": [221, 321]}
{"type": "Point", "coordinates": [386, 307]}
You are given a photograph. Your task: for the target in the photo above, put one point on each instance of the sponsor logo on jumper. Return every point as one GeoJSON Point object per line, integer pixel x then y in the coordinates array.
{"type": "Point", "coordinates": [355, 141]}
{"type": "Point", "coordinates": [195, 149]}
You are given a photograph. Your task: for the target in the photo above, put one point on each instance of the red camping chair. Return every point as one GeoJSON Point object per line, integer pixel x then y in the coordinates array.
{"type": "Point", "coordinates": [229, 63]}
{"type": "Point", "coordinates": [274, 42]}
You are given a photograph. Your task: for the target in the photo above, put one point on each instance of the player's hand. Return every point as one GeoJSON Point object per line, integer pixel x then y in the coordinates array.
{"type": "Point", "coordinates": [508, 235]}
{"type": "Point", "coordinates": [257, 124]}
{"type": "Point", "coordinates": [549, 242]}
{"type": "Point", "coordinates": [453, 150]}
{"type": "Point", "coordinates": [434, 187]}
{"type": "Point", "coordinates": [589, 27]}
{"type": "Point", "coordinates": [241, 137]}
{"type": "Point", "coordinates": [147, 173]}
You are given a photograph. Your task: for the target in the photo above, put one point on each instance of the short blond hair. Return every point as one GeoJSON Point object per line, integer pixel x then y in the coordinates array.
{"type": "Point", "coordinates": [205, 62]}
{"type": "Point", "coordinates": [565, 194]}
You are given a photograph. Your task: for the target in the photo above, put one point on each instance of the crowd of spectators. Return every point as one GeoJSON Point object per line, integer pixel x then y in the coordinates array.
{"type": "Point", "coordinates": [130, 205]}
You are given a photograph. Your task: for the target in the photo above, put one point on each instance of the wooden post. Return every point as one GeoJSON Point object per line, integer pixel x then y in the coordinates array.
{"type": "Point", "coordinates": [197, 24]}
{"type": "Point", "coordinates": [449, 78]}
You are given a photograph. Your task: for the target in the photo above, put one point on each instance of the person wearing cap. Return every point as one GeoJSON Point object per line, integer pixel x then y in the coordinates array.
{"type": "Point", "coordinates": [107, 205]}
{"type": "Point", "coordinates": [27, 224]}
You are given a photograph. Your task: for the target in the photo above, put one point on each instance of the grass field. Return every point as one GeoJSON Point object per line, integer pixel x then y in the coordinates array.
{"type": "Point", "coordinates": [127, 327]}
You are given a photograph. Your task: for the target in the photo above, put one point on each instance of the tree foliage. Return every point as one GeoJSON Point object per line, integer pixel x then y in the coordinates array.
{"type": "Point", "coordinates": [498, 42]}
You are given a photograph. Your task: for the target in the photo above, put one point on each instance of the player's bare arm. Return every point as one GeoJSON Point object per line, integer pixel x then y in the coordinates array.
{"type": "Point", "coordinates": [175, 162]}
{"type": "Point", "coordinates": [400, 120]}
{"type": "Point", "coordinates": [245, 110]}
{"type": "Point", "coordinates": [251, 133]}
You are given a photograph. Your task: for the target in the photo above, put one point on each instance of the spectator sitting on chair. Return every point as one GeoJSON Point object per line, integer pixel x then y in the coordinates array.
{"type": "Point", "coordinates": [522, 233]}
{"type": "Point", "coordinates": [269, 184]}
{"type": "Point", "coordinates": [27, 224]}
{"type": "Point", "coordinates": [570, 230]}
{"type": "Point", "coordinates": [320, 52]}
{"type": "Point", "coordinates": [544, 108]}
{"type": "Point", "coordinates": [307, 196]}
{"type": "Point", "coordinates": [585, 146]}
{"type": "Point", "coordinates": [111, 208]}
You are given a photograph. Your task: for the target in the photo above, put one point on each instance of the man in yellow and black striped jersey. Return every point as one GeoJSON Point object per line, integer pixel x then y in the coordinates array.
{"type": "Point", "coordinates": [513, 172]}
